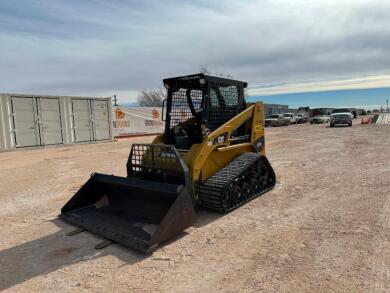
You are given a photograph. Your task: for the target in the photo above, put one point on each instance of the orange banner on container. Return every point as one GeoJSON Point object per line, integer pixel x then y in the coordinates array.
{"type": "Point", "coordinates": [155, 114]}
{"type": "Point", "coordinates": [119, 114]}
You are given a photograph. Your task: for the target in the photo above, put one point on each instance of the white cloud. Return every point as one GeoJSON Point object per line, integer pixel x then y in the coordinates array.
{"type": "Point", "coordinates": [73, 47]}
{"type": "Point", "coordinates": [378, 81]}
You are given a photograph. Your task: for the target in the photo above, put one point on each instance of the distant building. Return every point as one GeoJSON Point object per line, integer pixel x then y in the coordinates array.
{"type": "Point", "coordinates": [304, 111]}
{"type": "Point", "coordinates": [320, 111]}
{"type": "Point", "coordinates": [270, 109]}
{"type": "Point", "coordinates": [357, 112]}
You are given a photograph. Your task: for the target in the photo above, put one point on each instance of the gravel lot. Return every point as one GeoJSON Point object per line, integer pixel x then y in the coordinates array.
{"type": "Point", "coordinates": [324, 228]}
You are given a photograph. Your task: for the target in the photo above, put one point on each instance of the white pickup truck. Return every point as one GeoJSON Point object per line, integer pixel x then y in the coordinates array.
{"type": "Point", "coordinates": [341, 116]}
{"type": "Point", "coordinates": [293, 118]}
{"type": "Point", "coordinates": [277, 120]}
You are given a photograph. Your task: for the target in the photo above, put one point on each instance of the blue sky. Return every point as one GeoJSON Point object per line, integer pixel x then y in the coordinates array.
{"type": "Point", "coordinates": [101, 47]}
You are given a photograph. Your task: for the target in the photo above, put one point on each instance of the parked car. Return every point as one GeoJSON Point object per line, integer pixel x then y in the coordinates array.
{"type": "Point", "coordinates": [319, 119]}
{"type": "Point", "coordinates": [302, 119]}
{"type": "Point", "coordinates": [341, 116]}
{"type": "Point", "coordinates": [293, 118]}
{"type": "Point", "coordinates": [277, 120]}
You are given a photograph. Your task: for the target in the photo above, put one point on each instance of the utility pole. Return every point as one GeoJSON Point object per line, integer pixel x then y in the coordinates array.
{"type": "Point", "coordinates": [387, 105]}
{"type": "Point", "coordinates": [115, 100]}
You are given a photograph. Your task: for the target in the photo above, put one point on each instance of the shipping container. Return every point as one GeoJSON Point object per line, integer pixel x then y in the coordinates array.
{"type": "Point", "coordinates": [40, 120]}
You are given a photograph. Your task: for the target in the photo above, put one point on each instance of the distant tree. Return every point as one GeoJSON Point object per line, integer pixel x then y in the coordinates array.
{"type": "Point", "coordinates": [151, 98]}
{"type": "Point", "coordinates": [369, 112]}
{"type": "Point", "coordinates": [363, 112]}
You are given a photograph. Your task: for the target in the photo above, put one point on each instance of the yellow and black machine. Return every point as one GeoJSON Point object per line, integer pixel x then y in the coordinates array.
{"type": "Point", "coordinates": [211, 154]}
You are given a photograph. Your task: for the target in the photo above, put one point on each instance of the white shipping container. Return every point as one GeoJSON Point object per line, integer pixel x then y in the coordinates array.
{"type": "Point", "coordinates": [37, 121]}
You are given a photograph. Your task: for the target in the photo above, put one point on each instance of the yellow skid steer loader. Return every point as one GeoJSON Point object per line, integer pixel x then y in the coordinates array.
{"type": "Point", "coordinates": [212, 154]}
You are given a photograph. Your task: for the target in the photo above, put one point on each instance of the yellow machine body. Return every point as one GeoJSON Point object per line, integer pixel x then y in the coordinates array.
{"type": "Point", "coordinates": [206, 158]}
{"type": "Point", "coordinates": [212, 154]}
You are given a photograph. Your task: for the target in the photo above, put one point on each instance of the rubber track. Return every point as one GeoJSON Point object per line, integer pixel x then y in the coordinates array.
{"type": "Point", "coordinates": [210, 192]}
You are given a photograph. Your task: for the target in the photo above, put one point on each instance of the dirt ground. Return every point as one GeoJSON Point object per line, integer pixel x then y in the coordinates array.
{"type": "Point", "coordinates": [324, 228]}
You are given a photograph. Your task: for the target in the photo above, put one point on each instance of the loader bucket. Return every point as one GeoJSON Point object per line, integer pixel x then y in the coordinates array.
{"type": "Point", "coordinates": [139, 212]}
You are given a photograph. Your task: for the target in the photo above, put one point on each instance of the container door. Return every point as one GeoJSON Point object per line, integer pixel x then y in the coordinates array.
{"type": "Point", "coordinates": [82, 120]}
{"type": "Point", "coordinates": [25, 122]}
{"type": "Point", "coordinates": [50, 121]}
{"type": "Point", "coordinates": [101, 119]}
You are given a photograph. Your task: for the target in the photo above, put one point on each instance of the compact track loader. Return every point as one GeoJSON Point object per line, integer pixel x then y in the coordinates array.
{"type": "Point", "coordinates": [211, 154]}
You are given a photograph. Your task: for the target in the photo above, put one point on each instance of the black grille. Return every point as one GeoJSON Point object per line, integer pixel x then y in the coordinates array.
{"type": "Point", "coordinates": [181, 110]}
{"type": "Point", "coordinates": [155, 161]}
{"type": "Point", "coordinates": [224, 104]}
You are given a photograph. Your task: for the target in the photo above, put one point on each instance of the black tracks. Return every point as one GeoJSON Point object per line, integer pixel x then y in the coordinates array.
{"type": "Point", "coordinates": [246, 177]}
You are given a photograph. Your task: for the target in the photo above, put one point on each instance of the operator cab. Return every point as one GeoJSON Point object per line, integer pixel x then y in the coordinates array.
{"type": "Point", "coordinates": [198, 104]}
